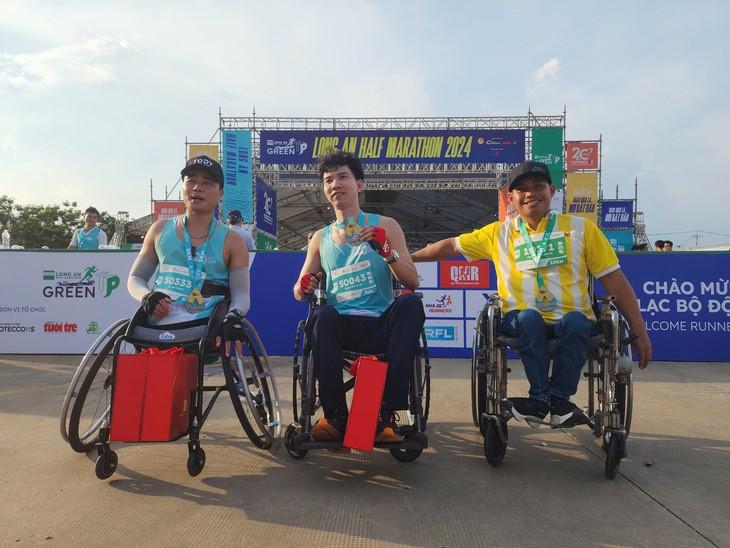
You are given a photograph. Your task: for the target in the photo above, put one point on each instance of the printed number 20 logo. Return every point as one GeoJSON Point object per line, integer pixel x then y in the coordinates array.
{"type": "Point", "coordinates": [581, 154]}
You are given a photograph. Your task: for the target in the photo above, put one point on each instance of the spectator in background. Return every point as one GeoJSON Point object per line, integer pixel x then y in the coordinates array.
{"type": "Point", "coordinates": [90, 236]}
{"type": "Point", "coordinates": [668, 245]}
{"type": "Point", "coordinates": [659, 245]}
{"type": "Point", "coordinates": [235, 223]}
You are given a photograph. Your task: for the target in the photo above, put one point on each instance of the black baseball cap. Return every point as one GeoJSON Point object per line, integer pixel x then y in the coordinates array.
{"type": "Point", "coordinates": [530, 168]}
{"type": "Point", "coordinates": [206, 163]}
{"type": "Point", "coordinates": [234, 216]}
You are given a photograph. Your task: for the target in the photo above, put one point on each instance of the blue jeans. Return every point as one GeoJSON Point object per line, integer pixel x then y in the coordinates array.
{"type": "Point", "coordinates": [572, 332]}
{"type": "Point", "coordinates": [396, 332]}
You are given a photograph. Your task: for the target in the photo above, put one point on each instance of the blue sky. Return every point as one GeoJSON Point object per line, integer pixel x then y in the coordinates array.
{"type": "Point", "coordinates": [98, 98]}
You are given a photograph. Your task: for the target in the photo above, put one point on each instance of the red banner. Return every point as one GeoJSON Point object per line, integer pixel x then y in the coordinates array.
{"type": "Point", "coordinates": [581, 155]}
{"type": "Point", "coordinates": [167, 209]}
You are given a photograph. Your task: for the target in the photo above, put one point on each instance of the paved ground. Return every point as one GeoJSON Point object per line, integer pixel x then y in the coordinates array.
{"type": "Point", "coordinates": [672, 490]}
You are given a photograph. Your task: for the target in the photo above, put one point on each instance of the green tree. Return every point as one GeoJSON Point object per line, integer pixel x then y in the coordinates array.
{"type": "Point", "coordinates": [34, 226]}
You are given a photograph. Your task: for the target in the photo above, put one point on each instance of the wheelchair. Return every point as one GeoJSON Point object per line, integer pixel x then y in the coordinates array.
{"type": "Point", "coordinates": [305, 401]}
{"type": "Point", "coordinates": [86, 415]}
{"type": "Point", "coordinates": [610, 393]}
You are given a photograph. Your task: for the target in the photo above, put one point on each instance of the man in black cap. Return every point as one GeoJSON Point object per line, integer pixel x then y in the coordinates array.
{"type": "Point", "coordinates": [544, 261]}
{"type": "Point", "coordinates": [200, 261]}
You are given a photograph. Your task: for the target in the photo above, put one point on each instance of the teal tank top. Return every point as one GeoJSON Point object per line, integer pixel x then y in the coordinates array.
{"type": "Point", "coordinates": [88, 240]}
{"type": "Point", "coordinates": [174, 280]}
{"type": "Point", "coordinates": [359, 282]}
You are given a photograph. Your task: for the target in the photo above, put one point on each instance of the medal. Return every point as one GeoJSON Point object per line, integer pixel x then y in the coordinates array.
{"type": "Point", "coordinates": [350, 229]}
{"type": "Point", "coordinates": [545, 300]}
{"type": "Point", "coordinates": [195, 301]}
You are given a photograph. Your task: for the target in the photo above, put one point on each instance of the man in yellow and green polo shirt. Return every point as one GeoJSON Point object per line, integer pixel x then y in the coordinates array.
{"type": "Point", "coordinates": [544, 262]}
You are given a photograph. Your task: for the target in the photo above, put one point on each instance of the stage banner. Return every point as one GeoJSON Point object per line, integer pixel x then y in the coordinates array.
{"type": "Point", "coordinates": [237, 170]}
{"type": "Point", "coordinates": [502, 146]}
{"type": "Point", "coordinates": [581, 155]}
{"type": "Point", "coordinates": [581, 191]}
{"type": "Point", "coordinates": [265, 207]}
{"type": "Point", "coordinates": [617, 214]}
{"type": "Point", "coordinates": [620, 240]}
{"type": "Point", "coordinates": [211, 151]}
{"type": "Point", "coordinates": [165, 209]}
{"type": "Point", "coordinates": [547, 147]}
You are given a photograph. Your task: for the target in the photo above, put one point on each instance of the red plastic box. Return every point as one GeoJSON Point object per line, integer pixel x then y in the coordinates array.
{"type": "Point", "coordinates": [152, 395]}
{"type": "Point", "coordinates": [370, 374]}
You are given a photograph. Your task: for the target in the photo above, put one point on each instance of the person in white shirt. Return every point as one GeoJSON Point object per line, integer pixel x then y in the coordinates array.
{"type": "Point", "coordinates": [235, 223]}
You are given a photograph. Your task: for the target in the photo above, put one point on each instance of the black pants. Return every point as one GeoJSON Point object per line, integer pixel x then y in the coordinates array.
{"type": "Point", "coordinates": [395, 332]}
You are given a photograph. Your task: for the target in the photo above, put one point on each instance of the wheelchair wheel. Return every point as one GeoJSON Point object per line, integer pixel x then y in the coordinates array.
{"type": "Point", "coordinates": [196, 461]}
{"type": "Point", "coordinates": [624, 394]}
{"type": "Point", "coordinates": [92, 404]}
{"type": "Point", "coordinates": [289, 435]}
{"type": "Point", "coordinates": [494, 447]}
{"type": "Point", "coordinates": [478, 375]}
{"type": "Point", "coordinates": [108, 337]}
{"type": "Point", "coordinates": [106, 464]}
{"type": "Point", "coordinates": [614, 454]}
{"type": "Point", "coordinates": [253, 391]}
{"type": "Point", "coordinates": [406, 455]}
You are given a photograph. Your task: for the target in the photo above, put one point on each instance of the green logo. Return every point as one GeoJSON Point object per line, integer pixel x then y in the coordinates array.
{"type": "Point", "coordinates": [93, 328]}
{"type": "Point", "coordinates": [49, 274]}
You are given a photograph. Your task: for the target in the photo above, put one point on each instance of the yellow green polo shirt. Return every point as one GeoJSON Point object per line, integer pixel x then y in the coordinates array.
{"type": "Point", "coordinates": [587, 253]}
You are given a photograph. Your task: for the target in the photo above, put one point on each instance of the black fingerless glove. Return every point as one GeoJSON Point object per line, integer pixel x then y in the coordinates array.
{"type": "Point", "coordinates": [233, 326]}
{"type": "Point", "coordinates": [150, 301]}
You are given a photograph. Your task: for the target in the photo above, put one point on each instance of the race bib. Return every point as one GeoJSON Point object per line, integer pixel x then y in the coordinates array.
{"type": "Point", "coordinates": [555, 254]}
{"type": "Point", "coordinates": [175, 281]}
{"type": "Point", "coordinates": [353, 281]}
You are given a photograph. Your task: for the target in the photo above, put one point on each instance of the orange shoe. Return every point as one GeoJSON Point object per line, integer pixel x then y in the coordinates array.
{"type": "Point", "coordinates": [386, 432]}
{"type": "Point", "coordinates": [327, 430]}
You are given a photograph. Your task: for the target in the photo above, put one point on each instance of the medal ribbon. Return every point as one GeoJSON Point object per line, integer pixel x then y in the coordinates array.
{"type": "Point", "coordinates": [195, 266]}
{"type": "Point", "coordinates": [536, 251]}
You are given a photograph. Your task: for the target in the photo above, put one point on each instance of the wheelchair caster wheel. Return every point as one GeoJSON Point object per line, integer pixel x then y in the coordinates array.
{"type": "Point", "coordinates": [106, 464]}
{"type": "Point", "coordinates": [196, 461]}
{"type": "Point", "coordinates": [289, 436]}
{"type": "Point", "coordinates": [494, 447]}
{"type": "Point", "coordinates": [406, 455]}
{"type": "Point", "coordinates": [614, 454]}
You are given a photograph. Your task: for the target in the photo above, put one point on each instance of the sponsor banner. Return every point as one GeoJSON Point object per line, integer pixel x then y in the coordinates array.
{"type": "Point", "coordinates": [620, 240]}
{"type": "Point", "coordinates": [617, 214]}
{"type": "Point", "coordinates": [444, 333]}
{"type": "Point", "coordinates": [211, 151]}
{"type": "Point", "coordinates": [266, 207]}
{"type": "Point", "coordinates": [581, 155]}
{"type": "Point", "coordinates": [265, 242]}
{"type": "Point", "coordinates": [63, 300]}
{"type": "Point", "coordinates": [464, 275]}
{"type": "Point", "coordinates": [475, 301]}
{"type": "Point", "coordinates": [427, 274]}
{"type": "Point", "coordinates": [684, 299]}
{"type": "Point", "coordinates": [443, 303]}
{"type": "Point", "coordinates": [237, 170]}
{"type": "Point", "coordinates": [581, 195]}
{"type": "Point", "coordinates": [506, 146]}
{"type": "Point", "coordinates": [165, 209]}
{"type": "Point", "coordinates": [547, 147]}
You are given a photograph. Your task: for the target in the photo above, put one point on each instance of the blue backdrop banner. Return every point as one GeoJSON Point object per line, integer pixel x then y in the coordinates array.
{"type": "Point", "coordinates": [265, 207]}
{"type": "Point", "coordinates": [236, 154]}
{"type": "Point", "coordinates": [396, 147]}
{"type": "Point", "coordinates": [621, 240]}
{"type": "Point", "coordinates": [617, 214]}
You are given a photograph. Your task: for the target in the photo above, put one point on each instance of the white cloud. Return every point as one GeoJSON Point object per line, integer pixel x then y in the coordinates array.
{"type": "Point", "coordinates": [549, 71]}
{"type": "Point", "coordinates": [84, 62]}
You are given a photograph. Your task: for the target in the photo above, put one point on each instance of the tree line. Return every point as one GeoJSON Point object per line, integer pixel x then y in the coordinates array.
{"type": "Point", "coordinates": [34, 226]}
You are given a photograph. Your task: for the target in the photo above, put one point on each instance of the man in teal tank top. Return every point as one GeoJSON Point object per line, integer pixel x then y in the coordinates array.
{"type": "Point", "coordinates": [358, 255]}
{"type": "Point", "coordinates": [197, 260]}
{"type": "Point", "coordinates": [91, 236]}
